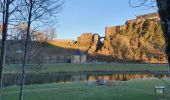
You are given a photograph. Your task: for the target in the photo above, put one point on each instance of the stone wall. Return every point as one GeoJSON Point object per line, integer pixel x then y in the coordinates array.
{"type": "Point", "coordinates": [85, 39]}
{"type": "Point", "coordinates": [89, 41]}
{"type": "Point", "coordinates": [130, 21]}
{"type": "Point", "coordinates": [62, 42]}
{"type": "Point", "coordinates": [149, 16]}
{"type": "Point", "coordinates": [121, 27]}
{"type": "Point", "coordinates": [110, 30]}
{"type": "Point", "coordinates": [95, 44]}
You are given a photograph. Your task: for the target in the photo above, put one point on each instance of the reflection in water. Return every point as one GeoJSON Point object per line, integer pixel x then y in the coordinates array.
{"type": "Point", "coordinates": [14, 79]}
{"type": "Point", "coordinates": [123, 77]}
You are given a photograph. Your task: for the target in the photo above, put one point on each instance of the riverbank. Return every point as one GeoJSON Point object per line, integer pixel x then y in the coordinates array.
{"type": "Point", "coordinates": [41, 74]}
{"type": "Point", "coordinates": [55, 77]}
{"type": "Point", "coordinates": [51, 68]}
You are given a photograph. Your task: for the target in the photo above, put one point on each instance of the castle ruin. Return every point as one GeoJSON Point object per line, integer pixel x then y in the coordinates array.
{"type": "Point", "coordinates": [114, 29]}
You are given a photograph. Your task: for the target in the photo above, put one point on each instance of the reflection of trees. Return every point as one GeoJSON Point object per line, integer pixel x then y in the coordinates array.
{"type": "Point", "coordinates": [122, 77]}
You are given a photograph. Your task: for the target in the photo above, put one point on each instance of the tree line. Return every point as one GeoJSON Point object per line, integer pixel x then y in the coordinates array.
{"type": "Point", "coordinates": [35, 15]}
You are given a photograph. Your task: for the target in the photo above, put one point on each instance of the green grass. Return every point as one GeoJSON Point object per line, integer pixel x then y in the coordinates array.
{"type": "Point", "coordinates": [129, 90]}
{"type": "Point", "coordinates": [84, 67]}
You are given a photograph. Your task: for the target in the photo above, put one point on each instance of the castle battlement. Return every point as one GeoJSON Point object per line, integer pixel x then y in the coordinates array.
{"type": "Point", "coordinates": [120, 27]}
{"type": "Point", "coordinates": [113, 29]}
{"type": "Point", "coordinates": [149, 16]}
{"type": "Point", "coordinates": [62, 40]}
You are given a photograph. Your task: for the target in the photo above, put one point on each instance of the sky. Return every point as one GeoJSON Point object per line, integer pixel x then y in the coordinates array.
{"type": "Point", "coordinates": [82, 16]}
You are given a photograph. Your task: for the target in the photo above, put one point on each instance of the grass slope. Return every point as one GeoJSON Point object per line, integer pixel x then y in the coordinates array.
{"type": "Point", "coordinates": [129, 90]}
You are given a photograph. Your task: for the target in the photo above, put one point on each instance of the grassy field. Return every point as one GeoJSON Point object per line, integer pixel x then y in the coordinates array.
{"type": "Point", "coordinates": [128, 90]}
{"type": "Point", "coordinates": [84, 67]}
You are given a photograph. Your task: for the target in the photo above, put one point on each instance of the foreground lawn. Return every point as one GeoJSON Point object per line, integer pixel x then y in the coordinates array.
{"type": "Point", "coordinates": [129, 90]}
{"type": "Point", "coordinates": [85, 67]}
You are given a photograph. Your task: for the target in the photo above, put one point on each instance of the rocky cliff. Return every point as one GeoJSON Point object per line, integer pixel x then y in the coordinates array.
{"type": "Point", "coordinates": [139, 39]}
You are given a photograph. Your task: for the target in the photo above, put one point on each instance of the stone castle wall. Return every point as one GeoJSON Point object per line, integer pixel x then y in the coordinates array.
{"type": "Point", "coordinates": [85, 39]}
{"type": "Point", "coordinates": [121, 27]}
{"type": "Point", "coordinates": [62, 40]}
{"type": "Point", "coordinates": [114, 29]}
{"type": "Point", "coordinates": [149, 16]}
{"type": "Point", "coordinates": [110, 30]}
{"type": "Point", "coordinates": [130, 21]}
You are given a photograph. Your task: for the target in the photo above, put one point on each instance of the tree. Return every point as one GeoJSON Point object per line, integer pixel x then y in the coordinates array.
{"type": "Point", "coordinates": [164, 8]}
{"type": "Point", "coordinates": [36, 13]}
{"type": "Point", "coordinates": [115, 45]}
{"type": "Point", "coordinates": [7, 8]}
{"type": "Point", "coordinates": [121, 44]}
{"type": "Point", "coordinates": [0, 31]}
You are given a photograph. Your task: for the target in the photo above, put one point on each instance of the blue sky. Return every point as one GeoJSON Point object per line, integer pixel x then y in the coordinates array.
{"type": "Point", "coordinates": [81, 16]}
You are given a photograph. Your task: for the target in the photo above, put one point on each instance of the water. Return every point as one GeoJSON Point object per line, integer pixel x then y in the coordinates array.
{"type": "Point", "coordinates": [42, 78]}
{"type": "Point", "coordinates": [119, 77]}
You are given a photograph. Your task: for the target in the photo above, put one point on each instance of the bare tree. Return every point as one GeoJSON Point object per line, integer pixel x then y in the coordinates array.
{"type": "Point", "coordinates": [147, 4]}
{"type": "Point", "coordinates": [7, 8]}
{"type": "Point", "coordinates": [36, 13]}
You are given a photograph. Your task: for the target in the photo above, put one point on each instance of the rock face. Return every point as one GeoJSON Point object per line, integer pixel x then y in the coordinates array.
{"type": "Point", "coordinates": [96, 44]}
{"type": "Point", "coordinates": [89, 42]}
{"type": "Point", "coordinates": [107, 48]}
{"type": "Point", "coordinates": [85, 41]}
